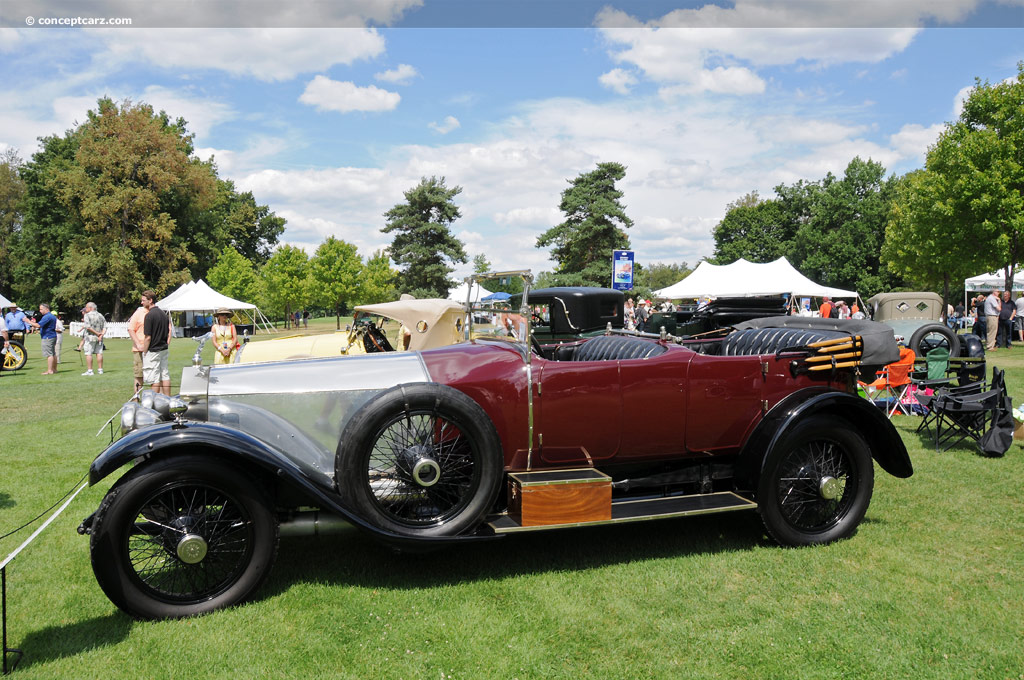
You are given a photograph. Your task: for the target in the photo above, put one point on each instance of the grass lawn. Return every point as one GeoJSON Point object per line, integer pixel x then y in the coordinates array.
{"type": "Point", "coordinates": [931, 586]}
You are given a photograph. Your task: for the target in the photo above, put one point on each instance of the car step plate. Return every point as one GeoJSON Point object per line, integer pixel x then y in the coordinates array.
{"type": "Point", "coordinates": [644, 509]}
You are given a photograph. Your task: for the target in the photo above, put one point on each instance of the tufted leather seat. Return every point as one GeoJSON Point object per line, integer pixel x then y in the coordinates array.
{"type": "Point", "coordinates": [616, 347]}
{"type": "Point", "coordinates": [770, 340]}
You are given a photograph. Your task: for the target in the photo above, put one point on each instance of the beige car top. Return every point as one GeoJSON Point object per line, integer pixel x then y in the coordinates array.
{"type": "Point", "coordinates": [431, 322]}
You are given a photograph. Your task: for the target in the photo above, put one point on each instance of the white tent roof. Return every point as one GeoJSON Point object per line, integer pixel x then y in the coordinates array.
{"type": "Point", "coordinates": [199, 297]}
{"type": "Point", "coordinates": [178, 292]}
{"type": "Point", "coordinates": [992, 280]}
{"type": "Point", "coordinates": [743, 278]}
{"type": "Point", "coordinates": [459, 294]}
{"type": "Point", "coordinates": [4, 302]}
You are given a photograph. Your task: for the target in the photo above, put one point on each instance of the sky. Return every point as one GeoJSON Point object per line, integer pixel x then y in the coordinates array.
{"type": "Point", "coordinates": [328, 112]}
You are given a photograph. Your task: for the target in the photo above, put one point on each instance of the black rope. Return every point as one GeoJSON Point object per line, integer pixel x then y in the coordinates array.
{"type": "Point", "coordinates": [37, 517]}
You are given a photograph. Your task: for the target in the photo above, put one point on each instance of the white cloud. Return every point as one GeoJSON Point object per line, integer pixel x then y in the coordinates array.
{"type": "Point", "coordinates": [618, 80]}
{"type": "Point", "coordinates": [331, 95]}
{"type": "Point", "coordinates": [913, 140]}
{"type": "Point", "coordinates": [402, 75]}
{"type": "Point", "coordinates": [447, 125]}
{"type": "Point", "coordinates": [268, 54]}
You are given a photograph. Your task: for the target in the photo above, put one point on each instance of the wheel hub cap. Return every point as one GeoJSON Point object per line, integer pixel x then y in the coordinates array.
{"type": "Point", "coordinates": [830, 488]}
{"type": "Point", "coordinates": [426, 472]}
{"type": "Point", "coordinates": [191, 549]}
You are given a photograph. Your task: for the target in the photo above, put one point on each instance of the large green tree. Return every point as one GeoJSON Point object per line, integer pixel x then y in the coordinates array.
{"type": "Point", "coordinates": [285, 281]}
{"type": "Point", "coordinates": [754, 229]}
{"type": "Point", "coordinates": [12, 193]}
{"type": "Point", "coordinates": [660, 275]}
{"type": "Point", "coordinates": [595, 225]}
{"type": "Point", "coordinates": [335, 275]}
{"type": "Point", "coordinates": [423, 245]}
{"type": "Point", "coordinates": [129, 160]}
{"type": "Point", "coordinates": [378, 280]}
{"type": "Point", "coordinates": [970, 192]}
{"type": "Point", "coordinates": [234, 276]}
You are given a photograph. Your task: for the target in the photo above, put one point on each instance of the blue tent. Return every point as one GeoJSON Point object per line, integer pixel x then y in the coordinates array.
{"type": "Point", "coordinates": [497, 296]}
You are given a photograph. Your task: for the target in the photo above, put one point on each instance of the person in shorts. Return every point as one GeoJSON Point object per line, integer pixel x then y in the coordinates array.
{"type": "Point", "coordinates": [138, 338]}
{"type": "Point", "coordinates": [156, 331]}
{"type": "Point", "coordinates": [47, 327]}
{"type": "Point", "coordinates": [92, 340]}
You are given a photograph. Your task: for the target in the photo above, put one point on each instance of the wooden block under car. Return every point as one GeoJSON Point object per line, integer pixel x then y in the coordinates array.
{"type": "Point", "coordinates": [549, 497]}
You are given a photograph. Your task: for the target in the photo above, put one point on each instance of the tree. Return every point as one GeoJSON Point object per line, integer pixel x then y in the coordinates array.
{"type": "Point", "coordinates": [378, 284]}
{"type": "Point", "coordinates": [234, 276]}
{"type": "Point", "coordinates": [423, 244]}
{"type": "Point", "coordinates": [754, 229]}
{"type": "Point", "coordinates": [480, 264]}
{"type": "Point", "coordinates": [12, 192]}
{"type": "Point", "coordinates": [286, 280]}
{"type": "Point", "coordinates": [594, 226]}
{"type": "Point", "coordinates": [335, 274]}
{"type": "Point", "coordinates": [970, 192]}
{"type": "Point", "coordinates": [659, 275]}
{"type": "Point", "coordinates": [128, 160]}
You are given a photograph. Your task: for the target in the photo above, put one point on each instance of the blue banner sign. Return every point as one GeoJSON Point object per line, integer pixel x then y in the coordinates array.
{"type": "Point", "coordinates": [622, 269]}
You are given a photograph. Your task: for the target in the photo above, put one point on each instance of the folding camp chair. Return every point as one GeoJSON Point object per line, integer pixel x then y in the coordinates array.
{"type": "Point", "coordinates": [983, 416]}
{"type": "Point", "coordinates": [893, 384]}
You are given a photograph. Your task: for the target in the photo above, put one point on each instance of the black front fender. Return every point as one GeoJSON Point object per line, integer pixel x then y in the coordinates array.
{"type": "Point", "coordinates": [883, 440]}
{"type": "Point", "coordinates": [248, 452]}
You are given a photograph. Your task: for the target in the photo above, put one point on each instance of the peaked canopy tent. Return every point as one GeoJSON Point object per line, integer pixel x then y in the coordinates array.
{"type": "Point", "coordinates": [997, 280]}
{"type": "Point", "coordinates": [460, 293]}
{"type": "Point", "coordinates": [197, 296]}
{"type": "Point", "coordinates": [745, 279]}
{"type": "Point", "coordinates": [4, 302]}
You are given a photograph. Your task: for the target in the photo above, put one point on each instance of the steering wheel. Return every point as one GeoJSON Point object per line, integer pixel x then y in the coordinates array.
{"type": "Point", "coordinates": [536, 346]}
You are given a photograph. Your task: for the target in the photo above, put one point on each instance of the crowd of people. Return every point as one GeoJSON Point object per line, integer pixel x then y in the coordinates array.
{"type": "Point", "coordinates": [149, 328]}
{"type": "Point", "coordinates": [996, 317]}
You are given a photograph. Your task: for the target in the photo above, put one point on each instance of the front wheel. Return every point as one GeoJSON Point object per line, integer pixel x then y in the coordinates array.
{"type": "Point", "coordinates": [816, 484]}
{"type": "Point", "coordinates": [420, 460]}
{"type": "Point", "coordinates": [181, 536]}
{"type": "Point", "coordinates": [15, 356]}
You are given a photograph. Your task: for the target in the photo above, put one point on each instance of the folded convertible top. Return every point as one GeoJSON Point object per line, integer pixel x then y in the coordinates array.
{"type": "Point", "coordinates": [880, 346]}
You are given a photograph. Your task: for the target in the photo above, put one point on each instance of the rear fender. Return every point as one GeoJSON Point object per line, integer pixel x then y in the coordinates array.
{"type": "Point", "coordinates": [883, 440]}
{"type": "Point", "coordinates": [249, 453]}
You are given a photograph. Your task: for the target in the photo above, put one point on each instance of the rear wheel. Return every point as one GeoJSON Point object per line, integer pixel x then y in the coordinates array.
{"type": "Point", "coordinates": [816, 484]}
{"type": "Point", "coordinates": [420, 460]}
{"type": "Point", "coordinates": [182, 536]}
{"type": "Point", "coordinates": [15, 356]}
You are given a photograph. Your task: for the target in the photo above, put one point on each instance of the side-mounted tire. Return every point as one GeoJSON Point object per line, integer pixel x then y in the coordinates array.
{"type": "Point", "coordinates": [420, 460]}
{"type": "Point", "coordinates": [181, 536]}
{"type": "Point", "coordinates": [15, 356]}
{"type": "Point", "coordinates": [927, 338]}
{"type": "Point", "coordinates": [816, 483]}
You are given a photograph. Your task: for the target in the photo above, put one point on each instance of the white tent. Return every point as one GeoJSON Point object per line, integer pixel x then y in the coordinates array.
{"type": "Point", "coordinates": [4, 302]}
{"type": "Point", "coordinates": [197, 296]}
{"type": "Point", "coordinates": [459, 293]}
{"type": "Point", "coordinates": [997, 280]}
{"type": "Point", "coordinates": [743, 278]}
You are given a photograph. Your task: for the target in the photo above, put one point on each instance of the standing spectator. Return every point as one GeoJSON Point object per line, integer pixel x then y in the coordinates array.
{"type": "Point", "coordinates": [629, 315]}
{"type": "Point", "coordinates": [825, 311]}
{"type": "Point", "coordinates": [156, 331]}
{"type": "Point", "coordinates": [1020, 317]}
{"type": "Point", "coordinates": [92, 341]}
{"type": "Point", "coordinates": [978, 305]}
{"type": "Point", "coordinates": [958, 315]}
{"type": "Point", "coordinates": [225, 339]}
{"type": "Point", "coordinates": [138, 340]}
{"type": "Point", "coordinates": [992, 307]}
{"type": "Point", "coordinates": [16, 320]}
{"type": "Point", "coordinates": [1006, 314]}
{"type": "Point", "coordinates": [60, 335]}
{"type": "Point", "coordinates": [46, 326]}
{"type": "Point", "coordinates": [643, 313]}
{"type": "Point", "coordinates": [3, 336]}
{"type": "Point", "coordinates": [305, 318]}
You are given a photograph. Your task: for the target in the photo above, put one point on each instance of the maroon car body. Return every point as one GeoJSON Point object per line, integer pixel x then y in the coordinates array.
{"type": "Point", "coordinates": [486, 438]}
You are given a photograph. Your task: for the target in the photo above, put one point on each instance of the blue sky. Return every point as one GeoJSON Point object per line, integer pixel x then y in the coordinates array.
{"type": "Point", "coordinates": [702, 103]}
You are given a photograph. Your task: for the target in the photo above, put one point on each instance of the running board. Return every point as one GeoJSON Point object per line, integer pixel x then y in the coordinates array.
{"type": "Point", "coordinates": [639, 510]}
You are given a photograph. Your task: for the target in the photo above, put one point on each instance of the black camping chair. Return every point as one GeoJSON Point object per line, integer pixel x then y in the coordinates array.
{"type": "Point", "coordinates": [985, 417]}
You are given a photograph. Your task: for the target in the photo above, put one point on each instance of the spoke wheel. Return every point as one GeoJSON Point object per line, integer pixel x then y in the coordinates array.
{"type": "Point", "coordinates": [420, 460]}
{"type": "Point", "coordinates": [817, 483]}
{"type": "Point", "coordinates": [15, 357]}
{"type": "Point", "coordinates": [182, 536]}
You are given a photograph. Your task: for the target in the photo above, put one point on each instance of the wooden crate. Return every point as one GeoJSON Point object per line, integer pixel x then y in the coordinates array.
{"type": "Point", "coordinates": [549, 497]}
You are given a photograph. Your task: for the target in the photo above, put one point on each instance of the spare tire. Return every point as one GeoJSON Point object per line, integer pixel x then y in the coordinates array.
{"type": "Point", "coordinates": [930, 336]}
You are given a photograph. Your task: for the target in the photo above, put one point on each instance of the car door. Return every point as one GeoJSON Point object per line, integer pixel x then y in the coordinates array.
{"type": "Point", "coordinates": [577, 408]}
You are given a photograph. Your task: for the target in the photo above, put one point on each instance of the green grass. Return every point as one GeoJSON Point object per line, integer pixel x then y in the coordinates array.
{"type": "Point", "coordinates": [931, 586]}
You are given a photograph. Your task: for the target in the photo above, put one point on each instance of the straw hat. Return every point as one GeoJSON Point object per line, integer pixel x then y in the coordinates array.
{"type": "Point", "coordinates": [223, 311]}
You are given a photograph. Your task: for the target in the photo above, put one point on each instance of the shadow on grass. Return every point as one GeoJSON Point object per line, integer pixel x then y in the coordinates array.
{"type": "Point", "coordinates": [6, 501]}
{"type": "Point", "coordinates": [352, 558]}
{"type": "Point", "coordinates": [58, 642]}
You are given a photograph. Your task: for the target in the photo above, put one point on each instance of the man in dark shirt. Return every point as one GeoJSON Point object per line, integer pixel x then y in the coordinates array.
{"type": "Point", "coordinates": [47, 327]}
{"type": "Point", "coordinates": [156, 332]}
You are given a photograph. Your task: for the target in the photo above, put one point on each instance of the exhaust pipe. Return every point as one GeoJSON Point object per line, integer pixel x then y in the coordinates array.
{"type": "Point", "coordinates": [312, 523]}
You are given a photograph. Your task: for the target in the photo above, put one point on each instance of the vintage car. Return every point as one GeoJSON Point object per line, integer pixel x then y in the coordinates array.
{"type": "Point", "coordinates": [495, 435]}
{"type": "Point", "coordinates": [430, 323]}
